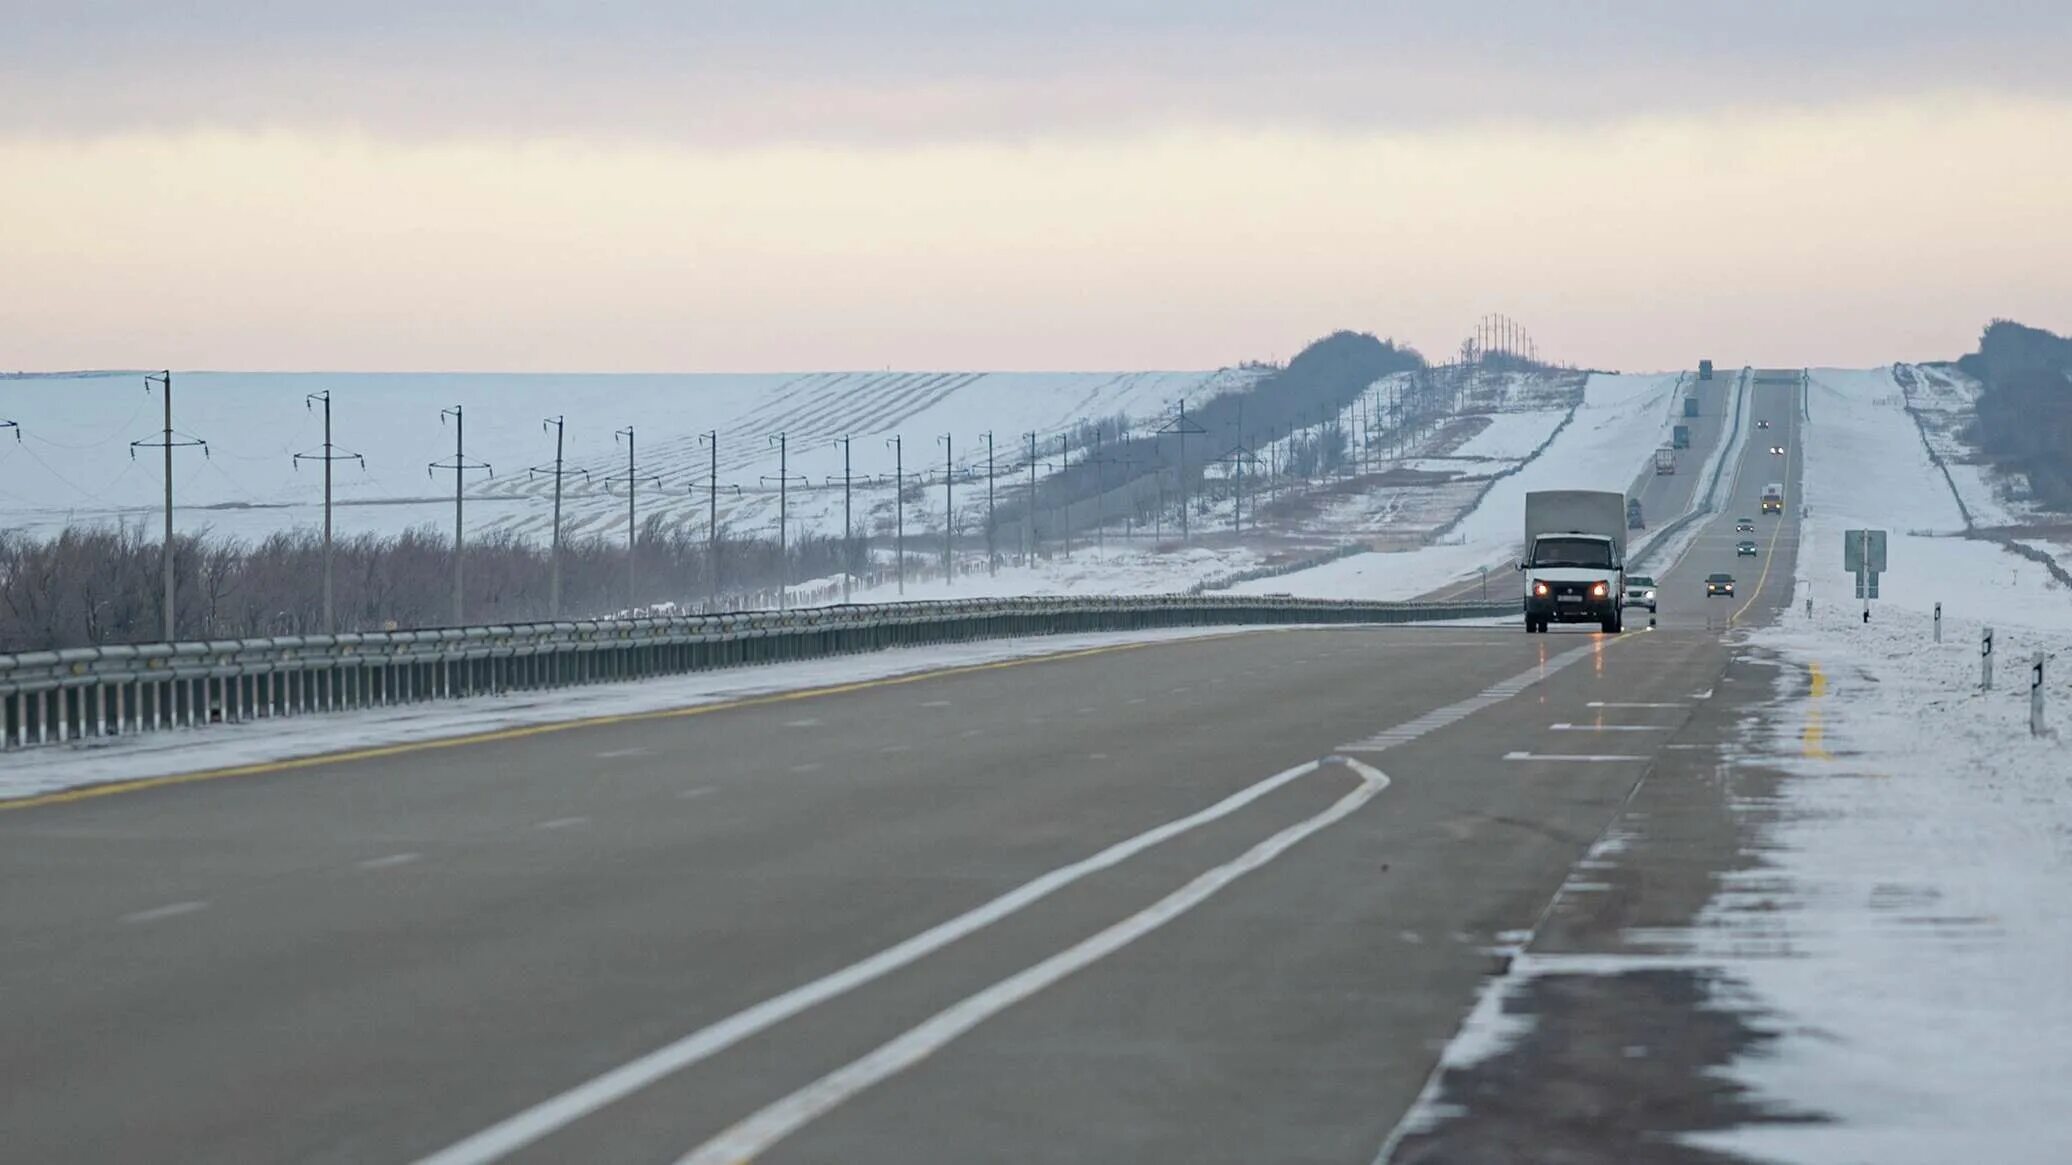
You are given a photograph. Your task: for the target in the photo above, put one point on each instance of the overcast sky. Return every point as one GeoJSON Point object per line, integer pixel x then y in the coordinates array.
{"type": "Point", "coordinates": [809, 184]}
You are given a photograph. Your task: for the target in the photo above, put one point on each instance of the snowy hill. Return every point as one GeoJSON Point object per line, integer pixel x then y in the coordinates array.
{"type": "Point", "coordinates": [75, 463]}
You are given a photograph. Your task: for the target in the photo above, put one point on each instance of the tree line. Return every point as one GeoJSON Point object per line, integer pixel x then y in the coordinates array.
{"type": "Point", "coordinates": [2024, 420]}
{"type": "Point", "coordinates": [101, 584]}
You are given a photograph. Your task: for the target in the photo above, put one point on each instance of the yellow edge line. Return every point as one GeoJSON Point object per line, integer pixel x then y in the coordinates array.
{"type": "Point", "coordinates": [112, 788]}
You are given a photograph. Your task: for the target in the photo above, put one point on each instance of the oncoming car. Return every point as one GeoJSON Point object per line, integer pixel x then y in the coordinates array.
{"type": "Point", "coordinates": [1777, 450]}
{"type": "Point", "coordinates": [1719, 584]}
{"type": "Point", "coordinates": [1640, 592]}
{"type": "Point", "coordinates": [1744, 525]}
{"type": "Point", "coordinates": [1762, 424]}
{"type": "Point", "coordinates": [1744, 549]}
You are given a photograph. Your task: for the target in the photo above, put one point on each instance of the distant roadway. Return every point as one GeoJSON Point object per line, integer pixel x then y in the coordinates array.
{"type": "Point", "coordinates": [1208, 900]}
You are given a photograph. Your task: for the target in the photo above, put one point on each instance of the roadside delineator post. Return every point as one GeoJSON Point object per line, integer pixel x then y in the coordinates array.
{"type": "Point", "coordinates": [1985, 661]}
{"type": "Point", "coordinates": [2036, 696]}
{"type": "Point", "coordinates": [1938, 622]}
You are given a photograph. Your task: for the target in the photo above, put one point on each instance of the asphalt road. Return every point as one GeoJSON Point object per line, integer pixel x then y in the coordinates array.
{"type": "Point", "coordinates": [861, 926]}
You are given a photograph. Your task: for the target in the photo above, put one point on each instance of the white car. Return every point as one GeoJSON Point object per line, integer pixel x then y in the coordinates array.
{"type": "Point", "coordinates": [1640, 592]}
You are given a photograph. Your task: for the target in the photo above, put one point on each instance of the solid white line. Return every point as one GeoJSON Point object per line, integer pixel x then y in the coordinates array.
{"type": "Point", "coordinates": [388, 862]}
{"type": "Point", "coordinates": [173, 910]}
{"type": "Point", "coordinates": [1607, 727]}
{"type": "Point", "coordinates": [754, 1136]}
{"type": "Point", "coordinates": [516, 1132]}
{"type": "Point", "coordinates": [1569, 756]}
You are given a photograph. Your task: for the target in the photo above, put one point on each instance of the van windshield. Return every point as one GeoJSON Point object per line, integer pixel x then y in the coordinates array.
{"type": "Point", "coordinates": [1583, 552]}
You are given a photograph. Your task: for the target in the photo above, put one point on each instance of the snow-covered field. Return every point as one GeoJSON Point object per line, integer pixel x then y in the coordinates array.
{"type": "Point", "coordinates": [75, 465]}
{"type": "Point", "coordinates": [1947, 401]}
{"type": "Point", "coordinates": [1620, 422]}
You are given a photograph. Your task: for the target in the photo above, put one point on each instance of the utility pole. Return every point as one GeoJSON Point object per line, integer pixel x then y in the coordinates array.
{"type": "Point", "coordinates": [1182, 427]}
{"type": "Point", "coordinates": [898, 444]}
{"type": "Point", "coordinates": [848, 545]}
{"type": "Point", "coordinates": [1237, 457]}
{"type": "Point", "coordinates": [783, 518]}
{"type": "Point", "coordinates": [1064, 464]}
{"type": "Point", "coordinates": [992, 551]}
{"type": "Point", "coordinates": [460, 465]}
{"type": "Point", "coordinates": [558, 473]}
{"type": "Point", "coordinates": [1100, 465]}
{"type": "Point", "coordinates": [711, 439]}
{"type": "Point", "coordinates": [330, 454]}
{"type": "Point", "coordinates": [1029, 556]}
{"type": "Point", "coordinates": [949, 510]}
{"type": "Point", "coordinates": [168, 440]}
{"type": "Point", "coordinates": [632, 480]}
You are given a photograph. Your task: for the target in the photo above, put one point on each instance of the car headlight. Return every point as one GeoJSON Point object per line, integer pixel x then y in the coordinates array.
{"type": "Point", "coordinates": [1540, 589]}
{"type": "Point", "coordinates": [1598, 591]}
{"type": "Point", "coordinates": [1649, 595]}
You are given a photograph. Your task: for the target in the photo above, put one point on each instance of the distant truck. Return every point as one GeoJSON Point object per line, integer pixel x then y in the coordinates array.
{"type": "Point", "coordinates": [1665, 460]}
{"type": "Point", "coordinates": [1575, 559]}
{"type": "Point", "coordinates": [1680, 437]}
{"type": "Point", "coordinates": [1773, 498]}
{"type": "Point", "coordinates": [1705, 370]}
{"type": "Point", "coordinates": [1635, 520]}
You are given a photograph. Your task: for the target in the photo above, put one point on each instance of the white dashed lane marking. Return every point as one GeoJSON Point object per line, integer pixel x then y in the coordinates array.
{"type": "Point", "coordinates": [159, 913]}
{"type": "Point", "coordinates": [388, 862]}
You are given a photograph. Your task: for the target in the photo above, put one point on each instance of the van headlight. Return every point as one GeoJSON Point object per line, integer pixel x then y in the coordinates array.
{"type": "Point", "coordinates": [1598, 591]}
{"type": "Point", "coordinates": [1539, 589]}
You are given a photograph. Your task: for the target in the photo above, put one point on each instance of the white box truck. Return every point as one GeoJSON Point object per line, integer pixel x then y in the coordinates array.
{"type": "Point", "coordinates": [1575, 558]}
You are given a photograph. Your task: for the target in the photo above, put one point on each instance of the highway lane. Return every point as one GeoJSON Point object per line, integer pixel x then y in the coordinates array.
{"type": "Point", "coordinates": [377, 959]}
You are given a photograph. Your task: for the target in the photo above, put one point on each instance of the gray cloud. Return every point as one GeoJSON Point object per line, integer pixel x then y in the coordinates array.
{"type": "Point", "coordinates": [732, 72]}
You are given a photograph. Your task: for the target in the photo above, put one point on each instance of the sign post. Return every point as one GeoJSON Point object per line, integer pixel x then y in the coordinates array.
{"type": "Point", "coordinates": [1863, 554]}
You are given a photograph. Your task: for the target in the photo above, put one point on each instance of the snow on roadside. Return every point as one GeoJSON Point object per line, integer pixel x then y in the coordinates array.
{"type": "Point", "coordinates": [1910, 927]}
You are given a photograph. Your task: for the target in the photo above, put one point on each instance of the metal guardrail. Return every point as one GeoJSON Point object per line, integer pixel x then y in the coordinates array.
{"type": "Point", "coordinates": [49, 697]}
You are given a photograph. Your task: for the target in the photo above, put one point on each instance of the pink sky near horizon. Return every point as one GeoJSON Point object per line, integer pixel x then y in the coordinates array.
{"type": "Point", "coordinates": [1851, 232]}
